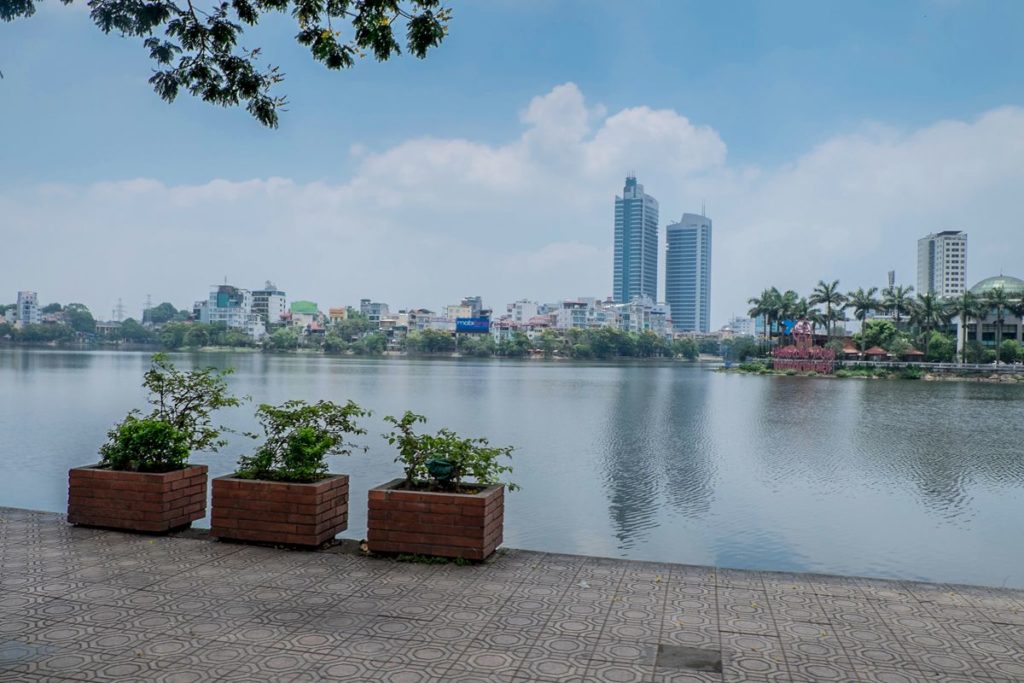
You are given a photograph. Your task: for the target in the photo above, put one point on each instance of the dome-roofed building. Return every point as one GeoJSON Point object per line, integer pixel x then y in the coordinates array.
{"type": "Point", "coordinates": [989, 332]}
{"type": "Point", "coordinates": [1010, 285]}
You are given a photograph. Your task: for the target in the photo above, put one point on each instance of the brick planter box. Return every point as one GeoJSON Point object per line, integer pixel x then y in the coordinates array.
{"type": "Point", "coordinates": [279, 512]}
{"type": "Point", "coordinates": [136, 501]}
{"type": "Point", "coordinates": [428, 523]}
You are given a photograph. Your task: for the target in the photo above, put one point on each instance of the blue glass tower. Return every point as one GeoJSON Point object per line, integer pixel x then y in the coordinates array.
{"type": "Point", "coordinates": [636, 244]}
{"type": "Point", "coordinates": [688, 273]}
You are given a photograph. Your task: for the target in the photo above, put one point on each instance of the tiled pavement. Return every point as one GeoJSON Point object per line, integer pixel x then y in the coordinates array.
{"type": "Point", "coordinates": [89, 605]}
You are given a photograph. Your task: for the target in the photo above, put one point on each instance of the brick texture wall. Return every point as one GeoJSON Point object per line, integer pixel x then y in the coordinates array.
{"type": "Point", "coordinates": [279, 512]}
{"type": "Point", "coordinates": [136, 501]}
{"type": "Point", "coordinates": [442, 524]}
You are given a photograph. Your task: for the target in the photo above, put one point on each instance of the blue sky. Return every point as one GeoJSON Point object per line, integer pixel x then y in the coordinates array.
{"type": "Point", "coordinates": [775, 82]}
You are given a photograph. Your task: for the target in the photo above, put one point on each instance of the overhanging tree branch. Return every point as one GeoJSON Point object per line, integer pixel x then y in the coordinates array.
{"type": "Point", "coordinates": [197, 49]}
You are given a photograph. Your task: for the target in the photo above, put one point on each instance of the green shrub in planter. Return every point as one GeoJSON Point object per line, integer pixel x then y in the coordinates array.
{"type": "Point", "coordinates": [145, 445]}
{"type": "Point", "coordinates": [144, 481]}
{"type": "Point", "coordinates": [179, 423]}
{"type": "Point", "coordinates": [443, 461]}
{"type": "Point", "coordinates": [298, 437]}
{"type": "Point", "coordinates": [283, 492]}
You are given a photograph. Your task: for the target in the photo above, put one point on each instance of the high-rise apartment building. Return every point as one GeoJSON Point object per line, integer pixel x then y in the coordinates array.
{"type": "Point", "coordinates": [942, 263]}
{"type": "Point", "coordinates": [636, 244]}
{"type": "Point", "coordinates": [688, 273]}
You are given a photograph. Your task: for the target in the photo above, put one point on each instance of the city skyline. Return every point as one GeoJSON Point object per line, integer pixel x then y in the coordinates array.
{"type": "Point", "coordinates": [822, 141]}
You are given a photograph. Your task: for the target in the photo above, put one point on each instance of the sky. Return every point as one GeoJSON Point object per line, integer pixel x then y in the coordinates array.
{"type": "Point", "coordinates": [824, 138]}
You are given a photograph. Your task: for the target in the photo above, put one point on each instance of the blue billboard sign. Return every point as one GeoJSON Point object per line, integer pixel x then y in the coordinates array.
{"type": "Point", "coordinates": [473, 325]}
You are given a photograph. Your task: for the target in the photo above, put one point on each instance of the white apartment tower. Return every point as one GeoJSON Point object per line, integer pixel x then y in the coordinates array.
{"type": "Point", "coordinates": [942, 263]}
{"type": "Point", "coordinates": [27, 310]}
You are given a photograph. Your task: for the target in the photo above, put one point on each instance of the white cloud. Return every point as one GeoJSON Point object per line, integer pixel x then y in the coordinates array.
{"type": "Point", "coordinates": [430, 220]}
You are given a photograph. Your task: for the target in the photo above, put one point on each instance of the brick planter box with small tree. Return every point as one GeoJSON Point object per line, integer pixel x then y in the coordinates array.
{"type": "Point", "coordinates": [144, 481]}
{"type": "Point", "coordinates": [434, 510]}
{"type": "Point", "coordinates": [283, 494]}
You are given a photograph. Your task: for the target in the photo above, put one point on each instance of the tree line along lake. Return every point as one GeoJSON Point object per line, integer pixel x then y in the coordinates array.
{"type": "Point", "coordinates": [654, 460]}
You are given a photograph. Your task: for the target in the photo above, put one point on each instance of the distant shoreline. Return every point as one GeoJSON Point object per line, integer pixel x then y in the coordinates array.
{"type": "Point", "coordinates": [150, 348]}
{"type": "Point", "coordinates": [918, 374]}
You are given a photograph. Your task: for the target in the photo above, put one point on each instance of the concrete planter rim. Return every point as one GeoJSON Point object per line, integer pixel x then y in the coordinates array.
{"type": "Point", "coordinates": [392, 487]}
{"type": "Point", "coordinates": [319, 482]}
{"type": "Point", "coordinates": [100, 467]}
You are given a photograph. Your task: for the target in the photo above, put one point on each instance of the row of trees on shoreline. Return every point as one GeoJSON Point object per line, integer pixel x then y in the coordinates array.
{"type": "Point", "coordinates": [596, 344]}
{"type": "Point", "coordinates": [359, 336]}
{"type": "Point", "coordinates": [915, 319]}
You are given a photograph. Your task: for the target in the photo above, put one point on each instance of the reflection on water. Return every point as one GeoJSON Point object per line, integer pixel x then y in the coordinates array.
{"type": "Point", "coordinates": [657, 458]}
{"type": "Point", "coordinates": [660, 461]}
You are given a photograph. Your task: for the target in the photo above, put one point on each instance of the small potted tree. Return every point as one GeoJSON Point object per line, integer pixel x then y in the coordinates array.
{"type": "Point", "coordinates": [283, 493]}
{"type": "Point", "coordinates": [450, 502]}
{"type": "Point", "coordinates": [144, 481]}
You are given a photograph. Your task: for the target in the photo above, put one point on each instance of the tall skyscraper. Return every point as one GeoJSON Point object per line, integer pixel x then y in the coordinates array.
{"type": "Point", "coordinates": [942, 263]}
{"type": "Point", "coordinates": [688, 273]}
{"type": "Point", "coordinates": [636, 244]}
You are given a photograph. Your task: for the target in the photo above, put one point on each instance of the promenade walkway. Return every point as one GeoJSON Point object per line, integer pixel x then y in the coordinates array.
{"type": "Point", "coordinates": [89, 605]}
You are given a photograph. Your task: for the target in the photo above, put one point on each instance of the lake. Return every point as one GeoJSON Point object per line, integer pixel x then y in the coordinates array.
{"type": "Point", "coordinates": [655, 461]}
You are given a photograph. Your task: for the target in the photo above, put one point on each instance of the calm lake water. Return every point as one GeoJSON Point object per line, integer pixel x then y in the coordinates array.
{"type": "Point", "coordinates": [669, 462]}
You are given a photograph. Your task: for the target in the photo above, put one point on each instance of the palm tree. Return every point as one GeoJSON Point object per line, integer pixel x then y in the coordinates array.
{"type": "Point", "coordinates": [928, 312]}
{"type": "Point", "coordinates": [998, 301]}
{"type": "Point", "coordinates": [805, 310]}
{"type": "Point", "coordinates": [828, 293]}
{"type": "Point", "coordinates": [862, 302]}
{"type": "Point", "coordinates": [898, 301]}
{"type": "Point", "coordinates": [786, 306]}
{"type": "Point", "coordinates": [1016, 306]}
{"type": "Point", "coordinates": [965, 307]}
{"type": "Point", "coordinates": [761, 307]}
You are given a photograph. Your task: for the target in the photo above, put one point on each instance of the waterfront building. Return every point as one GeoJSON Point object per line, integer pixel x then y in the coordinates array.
{"type": "Point", "coordinates": [26, 311]}
{"type": "Point", "coordinates": [636, 244]}
{"type": "Point", "coordinates": [573, 315]}
{"type": "Point", "coordinates": [456, 311]}
{"type": "Point", "coordinates": [269, 303]}
{"type": "Point", "coordinates": [107, 328]}
{"type": "Point", "coordinates": [987, 329]}
{"type": "Point", "coordinates": [688, 272]}
{"type": "Point", "coordinates": [741, 327]}
{"type": "Point", "coordinates": [419, 318]}
{"type": "Point", "coordinates": [336, 315]}
{"type": "Point", "coordinates": [373, 310]}
{"type": "Point", "coordinates": [231, 306]}
{"type": "Point", "coordinates": [942, 263]}
{"type": "Point", "coordinates": [522, 310]}
{"type": "Point", "coordinates": [642, 314]}
{"type": "Point", "coordinates": [475, 305]}
{"type": "Point", "coordinates": [305, 314]}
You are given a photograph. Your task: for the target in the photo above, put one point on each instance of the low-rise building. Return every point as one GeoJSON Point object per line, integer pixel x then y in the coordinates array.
{"type": "Point", "coordinates": [306, 315]}
{"type": "Point", "coordinates": [573, 314]}
{"type": "Point", "coordinates": [231, 306]}
{"type": "Point", "coordinates": [522, 310]}
{"type": "Point", "coordinates": [739, 326]}
{"type": "Point", "coordinates": [419, 318]}
{"type": "Point", "coordinates": [991, 328]}
{"type": "Point", "coordinates": [373, 310]}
